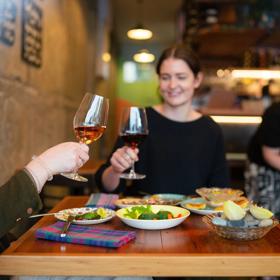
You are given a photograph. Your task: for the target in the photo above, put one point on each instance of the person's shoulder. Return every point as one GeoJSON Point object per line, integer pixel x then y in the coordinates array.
{"type": "Point", "coordinates": [152, 113]}
{"type": "Point", "coordinates": [209, 125]}
{"type": "Point", "coordinates": [272, 112]}
{"type": "Point", "coordinates": [274, 108]}
{"type": "Point", "coordinates": [207, 120]}
{"type": "Point", "coordinates": [149, 109]}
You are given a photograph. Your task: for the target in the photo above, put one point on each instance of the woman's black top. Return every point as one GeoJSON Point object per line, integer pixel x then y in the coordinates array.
{"type": "Point", "coordinates": [177, 157]}
{"type": "Point", "coordinates": [267, 134]}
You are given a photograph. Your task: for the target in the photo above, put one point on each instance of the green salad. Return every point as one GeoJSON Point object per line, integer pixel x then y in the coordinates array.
{"type": "Point", "coordinates": [99, 213]}
{"type": "Point", "coordinates": [146, 213]}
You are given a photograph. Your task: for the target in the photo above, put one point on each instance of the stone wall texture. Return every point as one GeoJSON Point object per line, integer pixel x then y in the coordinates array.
{"type": "Point", "coordinates": [37, 105]}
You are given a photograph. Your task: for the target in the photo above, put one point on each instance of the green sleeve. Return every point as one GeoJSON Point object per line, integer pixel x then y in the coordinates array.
{"type": "Point", "coordinates": [19, 198]}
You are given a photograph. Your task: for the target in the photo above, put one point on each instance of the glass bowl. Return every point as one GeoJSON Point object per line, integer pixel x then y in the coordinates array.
{"type": "Point", "coordinates": [239, 233]}
{"type": "Point", "coordinates": [217, 196]}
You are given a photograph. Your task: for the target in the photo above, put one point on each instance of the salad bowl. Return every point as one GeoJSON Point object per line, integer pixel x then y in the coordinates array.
{"type": "Point", "coordinates": [178, 216]}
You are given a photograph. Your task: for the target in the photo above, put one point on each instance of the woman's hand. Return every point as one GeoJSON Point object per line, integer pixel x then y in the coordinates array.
{"type": "Point", "coordinates": [123, 159]}
{"type": "Point", "coordinates": [65, 157]}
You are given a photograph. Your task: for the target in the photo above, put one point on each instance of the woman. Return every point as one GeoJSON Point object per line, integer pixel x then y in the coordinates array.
{"type": "Point", "coordinates": [184, 149]}
{"type": "Point", "coordinates": [19, 197]}
{"type": "Point", "coordinates": [262, 176]}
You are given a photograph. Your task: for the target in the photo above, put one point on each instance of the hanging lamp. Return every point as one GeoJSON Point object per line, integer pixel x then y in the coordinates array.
{"type": "Point", "coordinates": [144, 56]}
{"type": "Point", "coordinates": [139, 32]}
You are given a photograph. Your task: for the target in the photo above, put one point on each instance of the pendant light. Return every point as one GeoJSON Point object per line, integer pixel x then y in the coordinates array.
{"type": "Point", "coordinates": [139, 32]}
{"type": "Point", "coordinates": [144, 56]}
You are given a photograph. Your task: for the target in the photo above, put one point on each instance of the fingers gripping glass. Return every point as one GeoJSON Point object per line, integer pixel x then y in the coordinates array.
{"type": "Point", "coordinates": [133, 130]}
{"type": "Point", "coordinates": [89, 123]}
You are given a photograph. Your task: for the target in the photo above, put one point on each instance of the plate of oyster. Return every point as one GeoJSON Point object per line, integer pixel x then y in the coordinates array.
{"type": "Point", "coordinates": [241, 224]}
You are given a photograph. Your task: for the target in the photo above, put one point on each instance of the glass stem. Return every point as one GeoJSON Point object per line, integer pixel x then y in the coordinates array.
{"type": "Point", "coordinates": [132, 170]}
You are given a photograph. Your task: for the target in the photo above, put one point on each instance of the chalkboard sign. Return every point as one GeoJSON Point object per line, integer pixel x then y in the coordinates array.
{"type": "Point", "coordinates": [32, 15]}
{"type": "Point", "coordinates": [8, 12]}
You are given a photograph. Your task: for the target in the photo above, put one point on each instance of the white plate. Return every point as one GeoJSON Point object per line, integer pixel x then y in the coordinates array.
{"type": "Point", "coordinates": [128, 202]}
{"type": "Point", "coordinates": [155, 224]}
{"type": "Point", "coordinates": [167, 196]}
{"type": "Point", "coordinates": [63, 215]}
{"type": "Point", "coordinates": [156, 199]}
{"type": "Point", "coordinates": [206, 211]}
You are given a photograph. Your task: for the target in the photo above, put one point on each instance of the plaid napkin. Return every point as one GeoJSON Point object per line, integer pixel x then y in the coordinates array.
{"type": "Point", "coordinates": [86, 235]}
{"type": "Point", "coordinates": [102, 200]}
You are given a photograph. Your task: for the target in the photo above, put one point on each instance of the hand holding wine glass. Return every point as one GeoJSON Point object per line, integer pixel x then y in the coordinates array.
{"type": "Point", "coordinates": [133, 130]}
{"type": "Point", "coordinates": [89, 123]}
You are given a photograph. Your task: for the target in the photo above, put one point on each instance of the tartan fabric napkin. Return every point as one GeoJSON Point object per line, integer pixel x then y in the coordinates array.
{"type": "Point", "coordinates": [86, 235]}
{"type": "Point", "coordinates": [102, 200]}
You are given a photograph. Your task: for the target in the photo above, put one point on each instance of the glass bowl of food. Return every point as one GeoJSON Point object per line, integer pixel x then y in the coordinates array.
{"type": "Point", "coordinates": [216, 197]}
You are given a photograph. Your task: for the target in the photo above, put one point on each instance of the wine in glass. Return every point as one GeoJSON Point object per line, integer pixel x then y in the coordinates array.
{"type": "Point", "coordinates": [133, 131]}
{"type": "Point", "coordinates": [89, 123]}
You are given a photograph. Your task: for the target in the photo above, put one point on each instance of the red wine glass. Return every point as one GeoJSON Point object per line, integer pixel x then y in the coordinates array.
{"type": "Point", "coordinates": [133, 131]}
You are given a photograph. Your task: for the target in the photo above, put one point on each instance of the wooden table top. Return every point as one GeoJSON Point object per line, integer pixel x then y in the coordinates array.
{"type": "Point", "coordinates": [190, 249]}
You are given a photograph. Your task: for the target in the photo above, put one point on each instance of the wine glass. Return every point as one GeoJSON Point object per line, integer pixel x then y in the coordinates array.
{"type": "Point", "coordinates": [89, 123]}
{"type": "Point", "coordinates": [133, 131]}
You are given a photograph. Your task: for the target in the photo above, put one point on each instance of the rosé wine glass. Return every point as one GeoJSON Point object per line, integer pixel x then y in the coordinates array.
{"type": "Point", "coordinates": [89, 124]}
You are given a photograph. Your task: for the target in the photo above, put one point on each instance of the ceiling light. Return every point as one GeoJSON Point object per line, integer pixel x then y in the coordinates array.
{"type": "Point", "coordinates": [144, 56]}
{"type": "Point", "coordinates": [139, 33]}
{"type": "Point", "coordinates": [211, 19]}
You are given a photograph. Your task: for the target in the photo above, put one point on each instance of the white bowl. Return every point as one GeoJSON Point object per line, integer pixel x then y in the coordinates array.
{"type": "Point", "coordinates": [155, 224]}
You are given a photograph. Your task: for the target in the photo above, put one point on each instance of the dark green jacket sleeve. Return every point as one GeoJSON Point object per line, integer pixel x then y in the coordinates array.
{"type": "Point", "coordinates": [18, 199]}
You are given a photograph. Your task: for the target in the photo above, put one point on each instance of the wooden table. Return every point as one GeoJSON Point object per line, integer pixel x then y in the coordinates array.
{"type": "Point", "coordinates": [189, 249]}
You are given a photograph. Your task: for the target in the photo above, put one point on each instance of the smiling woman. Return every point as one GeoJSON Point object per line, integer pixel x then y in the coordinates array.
{"type": "Point", "coordinates": [177, 83]}
{"type": "Point", "coordinates": [184, 149]}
